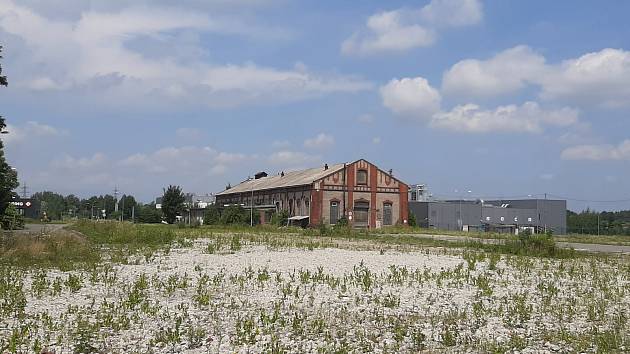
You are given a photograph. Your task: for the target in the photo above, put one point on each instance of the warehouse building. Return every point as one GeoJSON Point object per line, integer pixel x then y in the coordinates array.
{"type": "Point", "coordinates": [365, 195]}
{"type": "Point", "coordinates": [508, 215]}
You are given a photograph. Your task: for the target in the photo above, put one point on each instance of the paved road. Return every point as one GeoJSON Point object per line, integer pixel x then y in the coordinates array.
{"type": "Point", "coordinates": [587, 247]}
{"type": "Point", "coordinates": [594, 247]}
{"type": "Point", "coordinates": [38, 228]}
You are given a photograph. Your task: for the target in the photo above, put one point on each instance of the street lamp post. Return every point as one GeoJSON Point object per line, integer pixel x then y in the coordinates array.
{"type": "Point", "coordinates": [251, 208]}
{"type": "Point", "coordinates": [460, 220]}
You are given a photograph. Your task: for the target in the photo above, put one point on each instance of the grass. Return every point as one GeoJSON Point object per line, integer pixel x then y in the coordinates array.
{"type": "Point", "coordinates": [527, 286]}
{"type": "Point", "coordinates": [85, 242]}
{"type": "Point", "coordinates": [125, 234]}
{"type": "Point", "coordinates": [618, 240]}
{"type": "Point", "coordinates": [61, 249]}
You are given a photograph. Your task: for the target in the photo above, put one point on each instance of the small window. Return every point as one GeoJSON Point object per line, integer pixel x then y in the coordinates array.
{"type": "Point", "coordinates": [414, 195]}
{"type": "Point", "coordinates": [362, 177]}
{"type": "Point", "coordinates": [487, 218]}
{"type": "Point", "coordinates": [502, 218]}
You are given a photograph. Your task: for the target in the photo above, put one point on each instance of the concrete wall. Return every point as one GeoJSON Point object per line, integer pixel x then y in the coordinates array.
{"type": "Point", "coordinates": [546, 214]}
{"type": "Point", "coordinates": [446, 215]}
{"type": "Point", "coordinates": [552, 214]}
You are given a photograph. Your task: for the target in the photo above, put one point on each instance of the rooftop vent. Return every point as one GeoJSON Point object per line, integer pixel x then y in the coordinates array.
{"type": "Point", "coordinates": [325, 167]}
{"type": "Point", "coordinates": [260, 175]}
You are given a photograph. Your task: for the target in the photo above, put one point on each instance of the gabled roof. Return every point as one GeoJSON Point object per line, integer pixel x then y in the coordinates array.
{"type": "Point", "coordinates": [290, 179]}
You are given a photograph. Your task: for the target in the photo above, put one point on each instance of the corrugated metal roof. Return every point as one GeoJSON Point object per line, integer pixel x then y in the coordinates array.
{"type": "Point", "coordinates": [290, 179]}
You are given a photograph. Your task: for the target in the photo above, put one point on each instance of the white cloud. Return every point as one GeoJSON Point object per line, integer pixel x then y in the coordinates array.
{"type": "Point", "coordinates": [280, 144]}
{"type": "Point", "coordinates": [95, 56]}
{"type": "Point", "coordinates": [293, 159]}
{"type": "Point", "coordinates": [387, 32]}
{"type": "Point", "coordinates": [321, 141]}
{"type": "Point", "coordinates": [600, 77]}
{"type": "Point", "coordinates": [98, 160]}
{"type": "Point", "coordinates": [186, 159]}
{"type": "Point", "coordinates": [505, 73]}
{"type": "Point", "coordinates": [30, 132]}
{"type": "Point", "coordinates": [598, 152]}
{"type": "Point", "coordinates": [403, 29]}
{"type": "Point", "coordinates": [529, 118]}
{"type": "Point", "coordinates": [200, 169]}
{"type": "Point", "coordinates": [411, 97]}
{"type": "Point", "coordinates": [452, 13]}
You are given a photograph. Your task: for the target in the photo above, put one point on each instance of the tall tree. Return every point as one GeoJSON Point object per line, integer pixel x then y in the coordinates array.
{"type": "Point", "coordinates": [172, 203]}
{"type": "Point", "coordinates": [125, 205]}
{"type": "Point", "coordinates": [148, 214]}
{"type": "Point", "coordinates": [53, 204]}
{"type": "Point", "coordinates": [8, 176]}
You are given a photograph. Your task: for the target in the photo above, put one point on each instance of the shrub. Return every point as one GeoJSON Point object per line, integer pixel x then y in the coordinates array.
{"type": "Point", "coordinates": [280, 218]}
{"type": "Point", "coordinates": [212, 215]}
{"type": "Point", "coordinates": [411, 221]}
{"type": "Point", "coordinates": [11, 220]}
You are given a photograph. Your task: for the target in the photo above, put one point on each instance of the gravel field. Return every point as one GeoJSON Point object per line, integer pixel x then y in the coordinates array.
{"type": "Point", "coordinates": [209, 298]}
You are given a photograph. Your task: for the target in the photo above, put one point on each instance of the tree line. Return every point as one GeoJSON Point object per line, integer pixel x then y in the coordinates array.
{"type": "Point", "coordinates": [54, 206]}
{"type": "Point", "coordinates": [603, 223]}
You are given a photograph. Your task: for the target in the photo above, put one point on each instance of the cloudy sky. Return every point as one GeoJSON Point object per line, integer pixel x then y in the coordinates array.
{"type": "Point", "coordinates": [502, 98]}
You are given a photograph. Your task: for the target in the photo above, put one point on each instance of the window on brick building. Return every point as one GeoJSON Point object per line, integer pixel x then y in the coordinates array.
{"type": "Point", "coordinates": [362, 177]}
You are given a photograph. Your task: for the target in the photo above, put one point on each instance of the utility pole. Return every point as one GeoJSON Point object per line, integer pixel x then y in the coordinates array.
{"type": "Point", "coordinates": [133, 214]}
{"type": "Point", "coordinates": [598, 224]}
{"type": "Point", "coordinates": [116, 198]}
{"type": "Point", "coordinates": [251, 208]}
{"type": "Point", "coordinates": [24, 191]}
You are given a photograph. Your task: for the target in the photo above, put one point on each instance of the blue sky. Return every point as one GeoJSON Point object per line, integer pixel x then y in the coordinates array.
{"type": "Point", "coordinates": [502, 98]}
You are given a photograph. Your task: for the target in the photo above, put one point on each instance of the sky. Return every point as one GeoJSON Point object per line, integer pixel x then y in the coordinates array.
{"type": "Point", "coordinates": [481, 99]}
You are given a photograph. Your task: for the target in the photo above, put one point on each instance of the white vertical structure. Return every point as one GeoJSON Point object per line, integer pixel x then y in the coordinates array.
{"type": "Point", "coordinates": [419, 193]}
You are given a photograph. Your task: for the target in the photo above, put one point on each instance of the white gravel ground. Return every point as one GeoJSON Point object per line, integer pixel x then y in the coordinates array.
{"type": "Point", "coordinates": [325, 300]}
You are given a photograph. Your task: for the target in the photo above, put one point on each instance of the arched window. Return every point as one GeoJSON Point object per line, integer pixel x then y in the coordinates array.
{"type": "Point", "coordinates": [362, 177]}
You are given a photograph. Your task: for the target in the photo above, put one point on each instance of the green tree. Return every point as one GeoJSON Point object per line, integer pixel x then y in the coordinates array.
{"type": "Point", "coordinates": [212, 215]}
{"type": "Point", "coordinates": [12, 220]}
{"type": "Point", "coordinates": [412, 220]}
{"type": "Point", "coordinates": [53, 204]}
{"type": "Point", "coordinates": [8, 176]}
{"type": "Point", "coordinates": [126, 205]}
{"type": "Point", "coordinates": [172, 203]}
{"type": "Point", "coordinates": [235, 215]}
{"type": "Point", "coordinates": [148, 214]}
{"type": "Point", "coordinates": [73, 204]}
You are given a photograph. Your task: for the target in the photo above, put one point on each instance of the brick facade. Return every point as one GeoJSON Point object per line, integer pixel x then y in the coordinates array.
{"type": "Point", "coordinates": [379, 190]}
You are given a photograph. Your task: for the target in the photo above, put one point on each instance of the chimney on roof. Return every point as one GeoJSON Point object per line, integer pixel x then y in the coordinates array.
{"type": "Point", "coordinates": [391, 172]}
{"type": "Point", "coordinates": [260, 175]}
{"type": "Point", "coordinates": [282, 174]}
{"type": "Point", "coordinates": [325, 167]}
{"type": "Point", "coordinates": [228, 186]}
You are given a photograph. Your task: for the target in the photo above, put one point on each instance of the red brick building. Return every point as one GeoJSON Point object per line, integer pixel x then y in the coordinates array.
{"type": "Point", "coordinates": [359, 191]}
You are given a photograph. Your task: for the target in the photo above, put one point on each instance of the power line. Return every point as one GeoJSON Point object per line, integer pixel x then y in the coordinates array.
{"type": "Point", "coordinates": [24, 191]}
{"type": "Point", "coordinates": [592, 201]}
